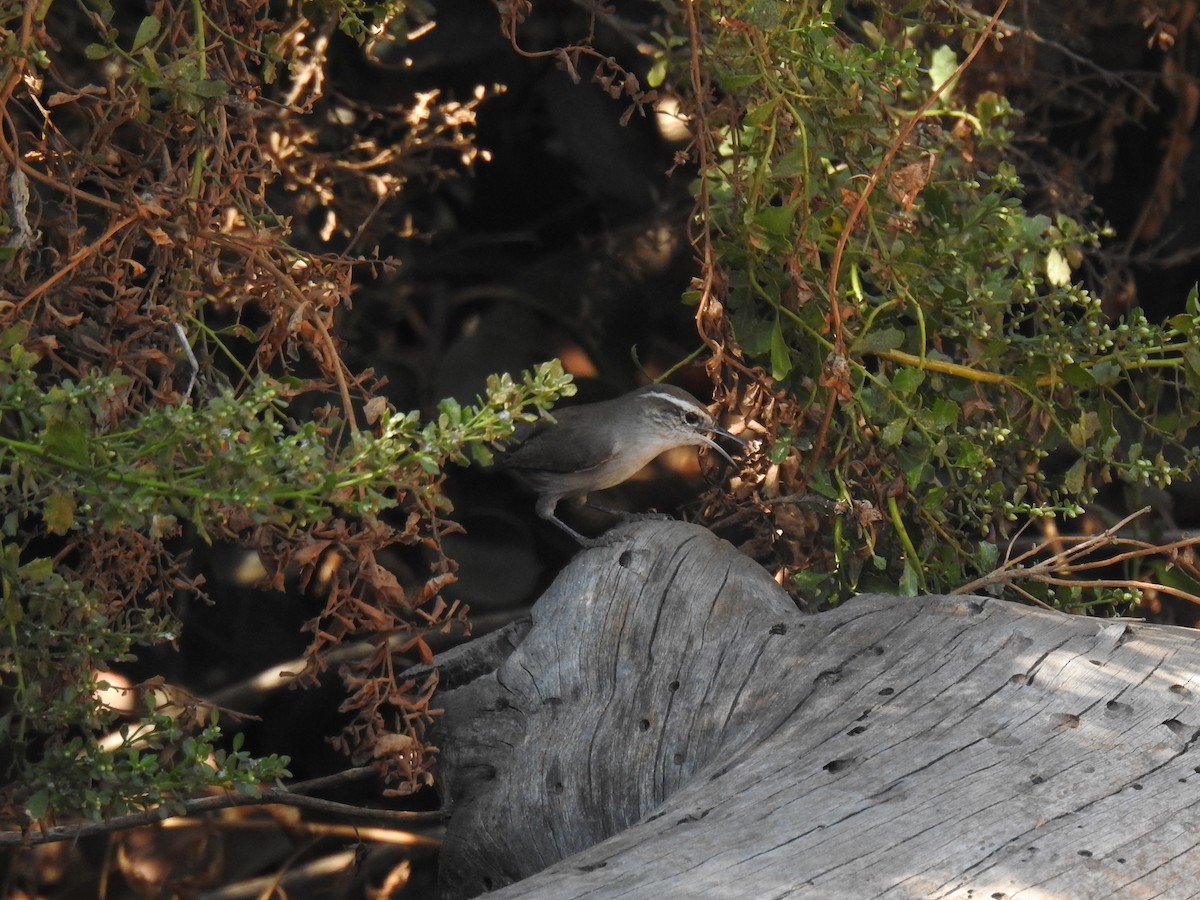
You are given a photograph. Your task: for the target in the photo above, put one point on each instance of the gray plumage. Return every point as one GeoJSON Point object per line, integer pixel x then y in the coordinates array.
{"type": "Point", "coordinates": [598, 445]}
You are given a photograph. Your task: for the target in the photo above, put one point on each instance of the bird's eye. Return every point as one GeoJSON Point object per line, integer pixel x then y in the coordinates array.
{"type": "Point", "coordinates": [692, 419]}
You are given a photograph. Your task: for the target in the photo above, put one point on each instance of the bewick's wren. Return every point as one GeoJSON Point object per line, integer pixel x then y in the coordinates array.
{"type": "Point", "coordinates": [598, 445]}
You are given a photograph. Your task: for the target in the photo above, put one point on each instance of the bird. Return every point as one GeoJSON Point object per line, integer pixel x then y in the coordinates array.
{"type": "Point", "coordinates": [594, 446]}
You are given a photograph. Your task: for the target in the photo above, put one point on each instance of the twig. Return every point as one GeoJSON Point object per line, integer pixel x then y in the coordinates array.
{"type": "Point", "coordinates": [304, 879]}
{"type": "Point", "coordinates": [702, 243]}
{"type": "Point", "coordinates": [282, 796]}
{"type": "Point", "coordinates": [838, 355]}
{"type": "Point", "coordinates": [193, 364]}
{"type": "Point", "coordinates": [1057, 568]}
{"type": "Point", "coordinates": [301, 306]}
{"type": "Point", "coordinates": [1108, 76]}
{"type": "Point", "coordinates": [74, 261]}
{"type": "Point", "coordinates": [896, 146]}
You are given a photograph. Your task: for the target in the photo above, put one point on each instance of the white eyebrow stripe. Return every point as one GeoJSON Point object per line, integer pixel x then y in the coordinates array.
{"type": "Point", "coordinates": [685, 405]}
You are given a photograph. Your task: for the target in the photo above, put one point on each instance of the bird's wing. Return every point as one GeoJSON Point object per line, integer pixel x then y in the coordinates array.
{"type": "Point", "coordinates": [558, 447]}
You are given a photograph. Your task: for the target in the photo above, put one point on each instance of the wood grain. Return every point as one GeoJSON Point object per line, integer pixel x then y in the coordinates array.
{"type": "Point", "coordinates": [672, 726]}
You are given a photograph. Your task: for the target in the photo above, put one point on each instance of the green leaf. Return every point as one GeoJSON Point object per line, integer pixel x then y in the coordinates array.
{"type": "Point", "coordinates": [987, 556]}
{"type": "Point", "coordinates": [1073, 481]}
{"type": "Point", "coordinates": [1105, 372]}
{"type": "Point", "coordinates": [1058, 270]}
{"type": "Point", "coordinates": [36, 806]}
{"type": "Point", "coordinates": [97, 51]}
{"type": "Point", "coordinates": [777, 220]}
{"type": "Point", "coordinates": [818, 585]}
{"type": "Point", "coordinates": [452, 410]}
{"type": "Point", "coordinates": [778, 452]}
{"type": "Point", "coordinates": [893, 432]}
{"type": "Point", "coordinates": [910, 581]}
{"type": "Point", "coordinates": [781, 354]}
{"type": "Point", "coordinates": [209, 89]}
{"type": "Point", "coordinates": [942, 65]}
{"type": "Point", "coordinates": [917, 474]}
{"type": "Point", "coordinates": [658, 73]}
{"type": "Point", "coordinates": [1182, 323]}
{"type": "Point", "coordinates": [794, 162]}
{"type": "Point", "coordinates": [38, 570]}
{"type": "Point", "coordinates": [756, 115]}
{"type": "Point", "coordinates": [10, 337]}
{"type": "Point", "coordinates": [67, 440]}
{"type": "Point", "coordinates": [945, 413]}
{"type": "Point", "coordinates": [13, 611]}
{"type": "Point", "coordinates": [59, 512]}
{"type": "Point", "coordinates": [1085, 429]}
{"type": "Point", "coordinates": [819, 482]}
{"type": "Point", "coordinates": [880, 339]}
{"type": "Point", "coordinates": [1077, 376]}
{"type": "Point", "coordinates": [1192, 357]}
{"type": "Point", "coordinates": [906, 381]}
{"type": "Point", "coordinates": [147, 31]}
{"type": "Point", "coordinates": [731, 83]}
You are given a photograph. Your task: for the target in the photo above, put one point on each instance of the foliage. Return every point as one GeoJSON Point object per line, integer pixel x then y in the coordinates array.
{"type": "Point", "coordinates": [867, 253]}
{"type": "Point", "coordinates": [167, 368]}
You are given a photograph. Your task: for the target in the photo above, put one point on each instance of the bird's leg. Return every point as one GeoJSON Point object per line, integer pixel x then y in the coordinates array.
{"type": "Point", "coordinates": [589, 543]}
{"type": "Point", "coordinates": [546, 509]}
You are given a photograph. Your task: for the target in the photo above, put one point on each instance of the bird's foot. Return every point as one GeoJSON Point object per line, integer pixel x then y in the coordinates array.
{"type": "Point", "coordinates": [626, 516]}
{"type": "Point", "coordinates": [646, 517]}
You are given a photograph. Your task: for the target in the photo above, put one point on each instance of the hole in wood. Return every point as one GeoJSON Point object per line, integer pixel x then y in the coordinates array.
{"type": "Point", "coordinates": [625, 559]}
{"type": "Point", "coordinates": [778, 628]}
{"type": "Point", "coordinates": [838, 765]}
{"type": "Point", "coordinates": [828, 677]}
{"type": "Point", "coordinates": [644, 725]}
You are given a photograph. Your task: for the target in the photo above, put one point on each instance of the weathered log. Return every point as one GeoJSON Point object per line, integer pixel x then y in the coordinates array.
{"type": "Point", "coordinates": [672, 726]}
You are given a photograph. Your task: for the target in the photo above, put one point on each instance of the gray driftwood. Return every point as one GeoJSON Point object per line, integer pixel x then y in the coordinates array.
{"type": "Point", "coordinates": [671, 726]}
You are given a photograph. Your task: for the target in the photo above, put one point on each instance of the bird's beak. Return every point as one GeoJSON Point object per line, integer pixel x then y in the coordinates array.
{"type": "Point", "coordinates": [723, 433]}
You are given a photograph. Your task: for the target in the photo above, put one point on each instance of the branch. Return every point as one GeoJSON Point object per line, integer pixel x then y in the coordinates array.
{"type": "Point", "coordinates": [283, 796]}
{"type": "Point", "coordinates": [1056, 570]}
